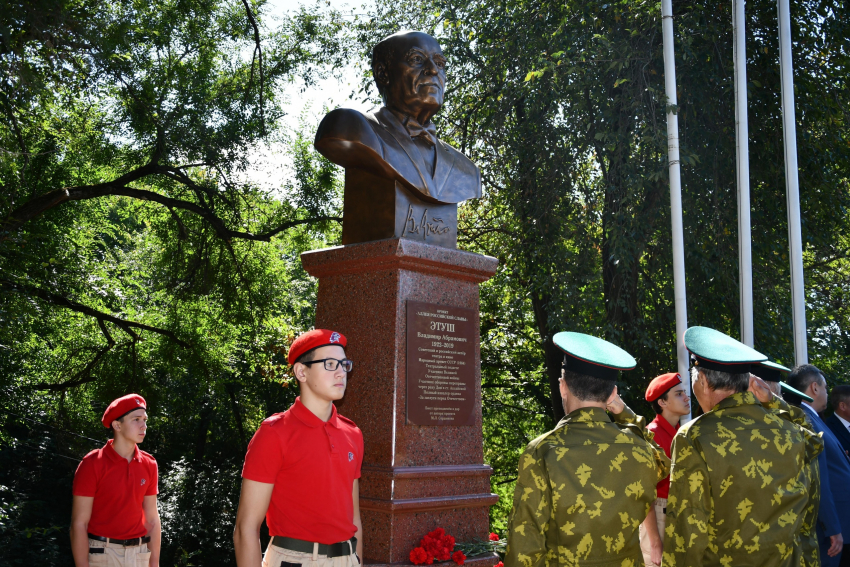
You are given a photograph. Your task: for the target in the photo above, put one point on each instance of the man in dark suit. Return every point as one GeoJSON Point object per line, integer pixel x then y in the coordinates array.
{"type": "Point", "coordinates": [834, 513]}
{"type": "Point", "coordinates": [399, 141]}
{"type": "Point", "coordinates": [839, 422]}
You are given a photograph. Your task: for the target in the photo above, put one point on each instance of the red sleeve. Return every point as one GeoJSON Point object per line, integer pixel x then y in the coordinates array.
{"type": "Point", "coordinates": [153, 487]}
{"type": "Point", "coordinates": [360, 460]}
{"type": "Point", "coordinates": [85, 479]}
{"type": "Point", "coordinates": [265, 455]}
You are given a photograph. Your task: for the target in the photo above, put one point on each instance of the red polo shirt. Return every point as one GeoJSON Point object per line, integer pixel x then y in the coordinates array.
{"type": "Point", "coordinates": [119, 489]}
{"type": "Point", "coordinates": [664, 433]}
{"type": "Point", "coordinates": [313, 465]}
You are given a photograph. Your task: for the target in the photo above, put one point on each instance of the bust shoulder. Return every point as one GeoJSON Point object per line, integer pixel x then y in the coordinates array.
{"type": "Point", "coordinates": [347, 138]}
{"type": "Point", "coordinates": [346, 124]}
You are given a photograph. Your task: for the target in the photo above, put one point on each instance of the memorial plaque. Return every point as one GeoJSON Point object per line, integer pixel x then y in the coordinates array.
{"type": "Point", "coordinates": [440, 364]}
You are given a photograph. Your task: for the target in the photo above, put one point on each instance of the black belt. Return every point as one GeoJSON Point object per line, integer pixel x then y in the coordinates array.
{"type": "Point", "coordinates": [340, 549]}
{"type": "Point", "coordinates": [124, 542]}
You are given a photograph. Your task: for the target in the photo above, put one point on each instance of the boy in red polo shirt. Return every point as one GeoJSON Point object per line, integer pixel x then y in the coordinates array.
{"type": "Point", "coordinates": [670, 400]}
{"type": "Point", "coordinates": [302, 469]}
{"type": "Point", "coordinates": [114, 518]}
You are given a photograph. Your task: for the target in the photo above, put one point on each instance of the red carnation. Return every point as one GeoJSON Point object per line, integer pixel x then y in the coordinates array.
{"type": "Point", "coordinates": [458, 557]}
{"type": "Point", "coordinates": [494, 537]}
{"type": "Point", "coordinates": [499, 564]}
{"type": "Point", "coordinates": [419, 556]}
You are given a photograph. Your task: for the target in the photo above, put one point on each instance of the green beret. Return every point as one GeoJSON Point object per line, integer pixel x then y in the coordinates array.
{"type": "Point", "coordinates": [715, 351]}
{"type": "Point", "coordinates": [593, 356]}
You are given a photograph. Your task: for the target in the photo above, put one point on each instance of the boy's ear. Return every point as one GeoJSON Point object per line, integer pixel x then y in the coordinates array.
{"type": "Point", "coordinates": [300, 372]}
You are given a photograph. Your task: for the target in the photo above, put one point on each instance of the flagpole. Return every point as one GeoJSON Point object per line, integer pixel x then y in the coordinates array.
{"type": "Point", "coordinates": [680, 302]}
{"type": "Point", "coordinates": [792, 186]}
{"type": "Point", "coordinates": [745, 259]}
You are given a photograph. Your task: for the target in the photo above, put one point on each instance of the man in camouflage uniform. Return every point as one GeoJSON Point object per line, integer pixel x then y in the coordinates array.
{"type": "Point", "coordinates": [737, 493]}
{"type": "Point", "coordinates": [782, 400]}
{"type": "Point", "coordinates": [585, 487]}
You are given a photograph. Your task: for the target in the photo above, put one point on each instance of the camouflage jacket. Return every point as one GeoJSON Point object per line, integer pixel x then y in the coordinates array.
{"type": "Point", "coordinates": [738, 490]}
{"type": "Point", "coordinates": [583, 490]}
{"type": "Point", "coordinates": [811, 478]}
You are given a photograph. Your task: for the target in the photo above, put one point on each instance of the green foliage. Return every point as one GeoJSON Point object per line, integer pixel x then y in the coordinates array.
{"type": "Point", "coordinates": [562, 106]}
{"type": "Point", "coordinates": [139, 250]}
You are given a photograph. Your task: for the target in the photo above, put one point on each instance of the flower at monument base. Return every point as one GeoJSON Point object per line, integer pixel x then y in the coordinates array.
{"type": "Point", "coordinates": [438, 545]}
{"type": "Point", "coordinates": [494, 537]}
{"type": "Point", "coordinates": [419, 556]}
{"type": "Point", "coordinates": [499, 564]}
{"type": "Point", "coordinates": [458, 557]}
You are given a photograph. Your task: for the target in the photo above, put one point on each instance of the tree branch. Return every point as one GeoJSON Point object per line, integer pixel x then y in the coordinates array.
{"type": "Point", "coordinates": [38, 205]}
{"type": "Point", "coordinates": [258, 53]}
{"type": "Point", "coordinates": [61, 301]}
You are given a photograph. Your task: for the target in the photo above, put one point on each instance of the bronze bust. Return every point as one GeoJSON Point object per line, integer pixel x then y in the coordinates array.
{"type": "Point", "coordinates": [401, 180]}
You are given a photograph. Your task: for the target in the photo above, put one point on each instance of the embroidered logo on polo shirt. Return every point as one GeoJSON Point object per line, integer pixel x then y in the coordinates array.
{"type": "Point", "coordinates": [143, 482]}
{"type": "Point", "coordinates": [335, 338]}
{"type": "Point", "coordinates": [350, 456]}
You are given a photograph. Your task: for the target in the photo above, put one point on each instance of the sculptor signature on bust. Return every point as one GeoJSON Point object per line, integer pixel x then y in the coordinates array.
{"type": "Point", "coordinates": [399, 141]}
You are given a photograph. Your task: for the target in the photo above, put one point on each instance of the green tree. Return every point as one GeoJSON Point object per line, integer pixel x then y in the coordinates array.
{"type": "Point", "coordinates": [562, 105]}
{"type": "Point", "coordinates": [138, 251]}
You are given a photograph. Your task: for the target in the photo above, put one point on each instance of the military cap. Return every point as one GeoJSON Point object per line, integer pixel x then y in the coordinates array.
{"type": "Point", "coordinates": [121, 407]}
{"type": "Point", "coordinates": [593, 356]}
{"type": "Point", "coordinates": [715, 351]}
{"type": "Point", "coordinates": [311, 340]}
{"type": "Point", "coordinates": [660, 384]}
{"type": "Point", "coordinates": [769, 371]}
{"type": "Point", "coordinates": [793, 395]}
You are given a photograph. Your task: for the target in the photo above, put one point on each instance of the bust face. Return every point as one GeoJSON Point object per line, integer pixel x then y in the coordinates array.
{"type": "Point", "coordinates": [416, 78]}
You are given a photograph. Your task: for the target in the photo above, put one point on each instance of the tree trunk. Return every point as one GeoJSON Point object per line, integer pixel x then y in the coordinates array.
{"type": "Point", "coordinates": [552, 355]}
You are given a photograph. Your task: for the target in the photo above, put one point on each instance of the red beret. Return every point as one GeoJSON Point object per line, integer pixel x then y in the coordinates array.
{"type": "Point", "coordinates": [312, 340]}
{"type": "Point", "coordinates": [121, 407]}
{"type": "Point", "coordinates": [661, 384]}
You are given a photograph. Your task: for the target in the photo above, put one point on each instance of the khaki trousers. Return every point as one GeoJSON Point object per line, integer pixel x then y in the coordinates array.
{"type": "Point", "coordinates": [115, 555]}
{"type": "Point", "coordinates": [280, 557]}
{"type": "Point", "coordinates": [660, 520]}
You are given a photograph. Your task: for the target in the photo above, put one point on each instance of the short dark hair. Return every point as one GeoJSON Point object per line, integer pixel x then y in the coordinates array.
{"type": "Point", "coordinates": [588, 388]}
{"type": "Point", "coordinates": [306, 357]}
{"type": "Point", "coordinates": [120, 420]}
{"type": "Point", "coordinates": [840, 393]}
{"type": "Point", "coordinates": [802, 376]}
{"type": "Point", "coordinates": [654, 403]}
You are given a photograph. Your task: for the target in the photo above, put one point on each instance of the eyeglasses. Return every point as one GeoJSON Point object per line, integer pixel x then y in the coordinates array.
{"type": "Point", "coordinates": [331, 364]}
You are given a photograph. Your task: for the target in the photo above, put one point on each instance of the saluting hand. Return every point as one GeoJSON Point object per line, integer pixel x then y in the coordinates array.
{"type": "Point", "coordinates": [760, 390]}
{"type": "Point", "coordinates": [615, 405]}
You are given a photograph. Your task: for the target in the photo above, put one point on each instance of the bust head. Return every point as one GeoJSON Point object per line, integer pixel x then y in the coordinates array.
{"type": "Point", "coordinates": [409, 70]}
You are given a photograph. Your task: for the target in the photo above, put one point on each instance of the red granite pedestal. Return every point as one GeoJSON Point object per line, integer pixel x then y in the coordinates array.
{"type": "Point", "coordinates": [414, 478]}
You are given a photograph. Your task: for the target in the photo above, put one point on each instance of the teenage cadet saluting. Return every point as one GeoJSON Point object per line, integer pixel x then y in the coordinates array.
{"type": "Point", "coordinates": [784, 398]}
{"type": "Point", "coordinates": [736, 491]}
{"type": "Point", "coordinates": [114, 519]}
{"type": "Point", "coordinates": [584, 487]}
{"type": "Point", "coordinates": [670, 400]}
{"type": "Point", "coordinates": [302, 469]}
